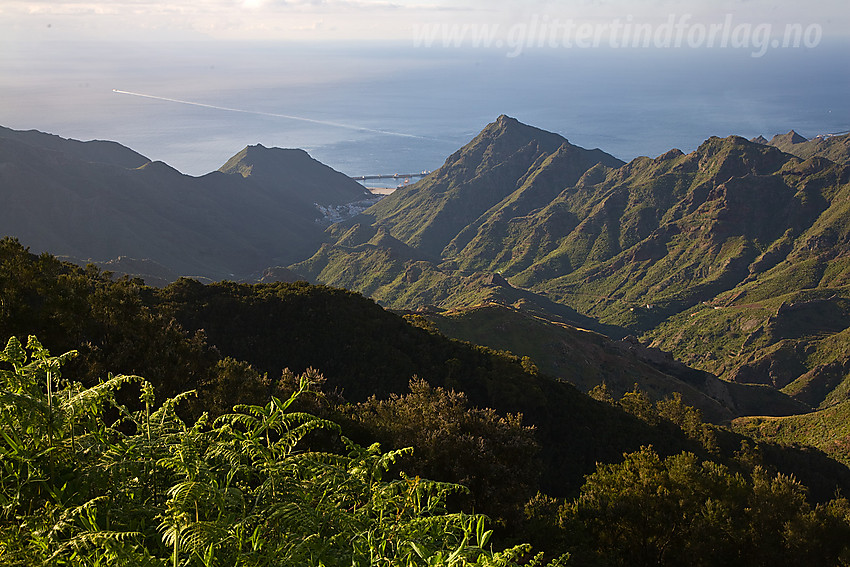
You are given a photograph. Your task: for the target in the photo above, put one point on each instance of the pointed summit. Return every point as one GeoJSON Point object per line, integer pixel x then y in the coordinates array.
{"type": "Point", "coordinates": [735, 156]}
{"type": "Point", "coordinates": [294, 173]}
{"type": "Point", "coordinates": [791, 137]}
{"type": "Point", "coordinates": [507, 138]}
{"type": "Point", "coordinates": [508, 126]}
{"type": "Point", "coordinates": [429, 214]}
{"type": "Point", "coordinates": [507, 135]}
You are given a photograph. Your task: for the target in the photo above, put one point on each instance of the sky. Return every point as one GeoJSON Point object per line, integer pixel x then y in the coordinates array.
{"type": "Point", "coordinates": [283, 72]}
{"type": "Point", "coordinates": [329, 20]}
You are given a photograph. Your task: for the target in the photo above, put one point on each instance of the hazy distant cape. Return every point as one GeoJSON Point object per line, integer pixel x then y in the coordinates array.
{"type": "Point", "coordinates": [99, 200]}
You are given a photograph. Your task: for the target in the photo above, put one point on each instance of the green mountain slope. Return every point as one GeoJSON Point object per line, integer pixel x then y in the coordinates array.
{"type": "Point", "coordinates": [826, 429]}
{"type": "Point", "coordinates": [629, 246]}
{"type": "Point", "coordinates": [365, 350]}
{"type": "Point", "coordinates": [587, 359]}
{"type": "Point", "coordinates": [744, 489]}
{"type": "Point", "coordinates": [368, 259]}
{"type": "Point", "coordinates": [787, 324]}
{"type": "Point", "coordinates": [797, 342]}
{"type": "Point", "coordinates": [658, 236]}
{"type": "Point", "coordinates": [734, 258]}
{"type": "Point", "coordinates": [180, 338]}
{"type": "Point", "coordinates": [741, 227]}
{"type": "Point", "coordinates": [834, 148]}
{"type": "Point", "coordinates": [647, 247]}
{"type": "Point", "coordinates": [430, 214]}
{"type": "Point", "coordinates": [393, 251]}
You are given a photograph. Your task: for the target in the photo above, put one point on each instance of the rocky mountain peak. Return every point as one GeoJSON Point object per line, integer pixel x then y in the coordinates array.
{"type": "Point", "coordinates": [791, 137]}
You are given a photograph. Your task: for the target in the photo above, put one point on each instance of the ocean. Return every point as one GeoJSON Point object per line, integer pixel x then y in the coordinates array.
{"type": "Point", "coordinates": [383, 107]}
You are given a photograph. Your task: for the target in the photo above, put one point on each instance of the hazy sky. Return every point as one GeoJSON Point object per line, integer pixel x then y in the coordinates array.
{"type": "Point", "coordinates": [370, 19]}
{"type": "Point", "coordinates": [204, 100]}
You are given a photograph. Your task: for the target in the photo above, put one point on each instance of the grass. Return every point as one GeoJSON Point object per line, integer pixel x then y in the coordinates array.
{"type": "Point", "coordinates": [827, 430]}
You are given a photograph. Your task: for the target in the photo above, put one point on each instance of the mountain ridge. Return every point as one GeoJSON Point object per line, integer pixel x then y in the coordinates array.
{"type": "Point", "coordinates": [834, 147]}
{"type": "Point", "coordinates": [635, 246]}
{"type": "Point", "coordinates": [723, 248]}
{"type": "Point", "coordinates": [98, 201]}
{"type": "Point", "coordinates": [99, 151]}
{"type": "Point", "coordinates": [479, 176]}
{"type": "Point", "coordinates": [294, 173]}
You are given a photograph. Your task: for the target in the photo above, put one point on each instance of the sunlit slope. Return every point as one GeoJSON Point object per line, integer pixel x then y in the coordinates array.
{"type": "Point", "coordinates": [828, 430]}
{"type": "Point", "coordinates": [493, 166]}
{"type": "Point", "coordinates": [588, 359]}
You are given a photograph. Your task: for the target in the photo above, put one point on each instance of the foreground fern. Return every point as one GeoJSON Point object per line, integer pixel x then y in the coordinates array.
{"type": "Point", "coordinates": [149, 489]}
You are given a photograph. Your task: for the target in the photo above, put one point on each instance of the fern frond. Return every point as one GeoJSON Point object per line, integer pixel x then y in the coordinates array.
{"type": "Point", "coordinates": [18, 402]}
{"type": "Point", "coordinates": [198, 536]}
{"type": "Point", "coordinates": [92, 540]}
{"type": "Point", "coordinates": [14, 353]}
{"type": "Point", "coordinates": [90, 398]}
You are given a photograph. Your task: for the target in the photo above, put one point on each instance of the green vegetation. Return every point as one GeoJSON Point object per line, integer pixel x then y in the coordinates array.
{"type": "Point", "coordinates": [733, 258]}
{"type": "Point", "coordinates": [834, 148]}
{"type": "Point", "coordinates": [375, 353]}
{"type": "Point", "coordinates": [151, 489]}
{"type": "Point", "coordinates": [588, 359]}
{"type": "Point", "coordinates": [827, 429]}
{"type": "Point", "coordinates": [145, 487]}
{"type": "Point", "coordinates": [251, 336]}
{"type": "Point", "coordinates": [681, 510]}
{"type": "Point", "coordinates": [687, 510]}
{"type": "Point", "coordinates": [106, 321]}
{"type": "Point", "coordinates": [496, 457]}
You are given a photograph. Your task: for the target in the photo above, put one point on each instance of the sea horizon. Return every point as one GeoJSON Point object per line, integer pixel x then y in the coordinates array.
{"type": "Point", "coordinates": [390, 107]}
